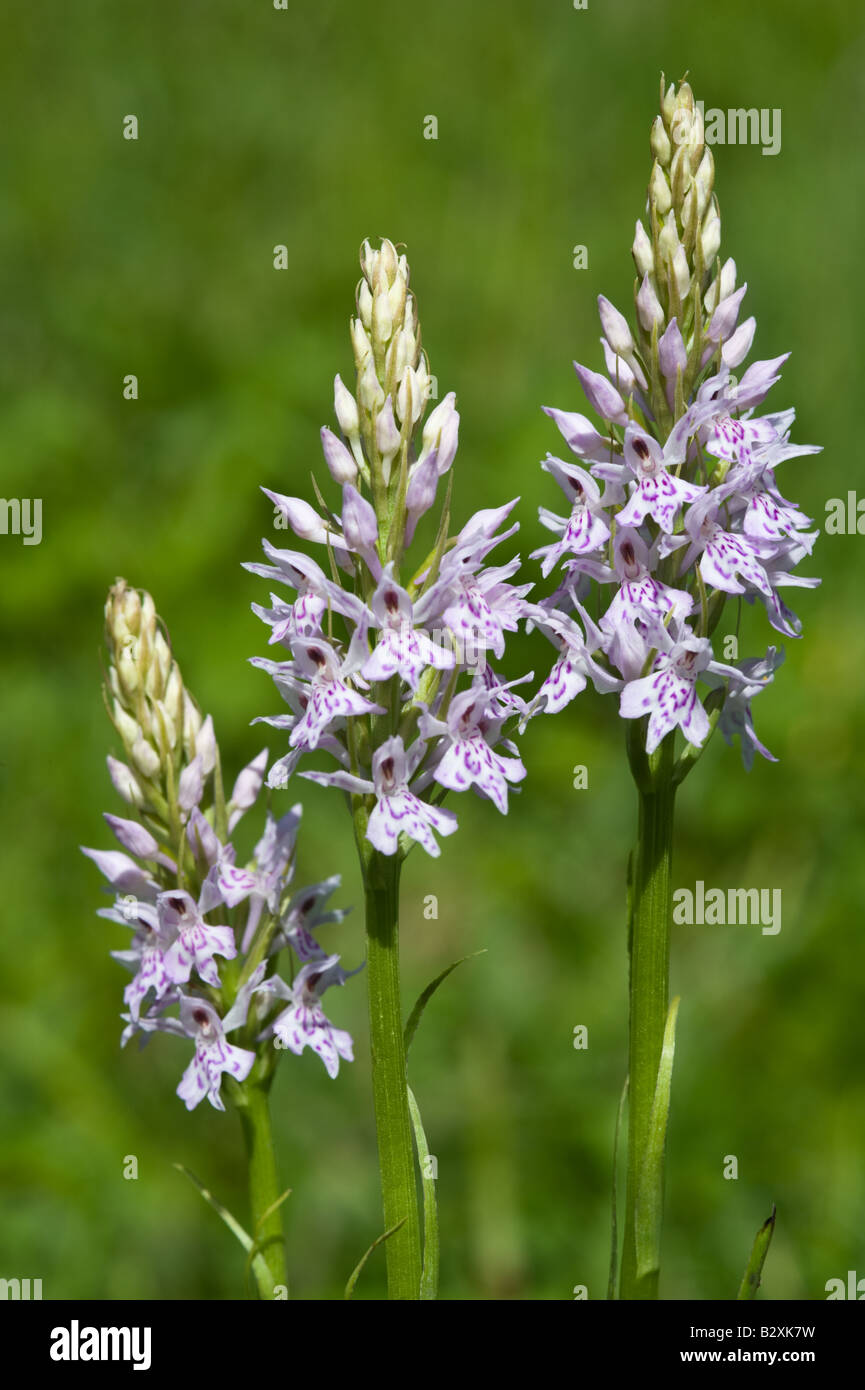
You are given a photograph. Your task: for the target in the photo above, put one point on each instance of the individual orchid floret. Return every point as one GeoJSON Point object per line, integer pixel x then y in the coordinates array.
{"type": "Point", "coordinates": [324, 676]}
{"type": "Point", "coordinates": [398, 810]}
{"type": "Point", "coordinates": [194, 942]}
{"type": "Point", "coordinates": [586, 529]}
{"type": "Point", "coordinates": [303, 1023]}
{"type": "Point", "coordinates": [466, 756]}
{"type": "Point", "coordinates": [659, 493]}
{"type": "Point", "coordinates": [304, 915]}
{"type": "Point", "coordinates": [755, 674]}
{"type": "Point", "coordinates": [401, 649]}
{"type": "Point", "coordinates": [725, 559]}
{"type": "Point", "coordinates": [146, 956]}
{"type": "Point", "coordinates": [214, 1056]}
{"type": "Point", "coordinates": [669, 694]}
{"type": "Point", "coordinates": [575, 666]}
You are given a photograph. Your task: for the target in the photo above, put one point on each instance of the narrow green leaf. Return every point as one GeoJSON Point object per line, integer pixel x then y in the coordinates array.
{"type": "Point", "coordinates": [416, 1014]}
{"type": "Point", "coordinates": [356, 1272]}
{"type": "Point", "coordinates": [255, 1260]}
{"type": "Point", "coordinates": [650, 1189]}
{"type": "Point", "coordinates": [259, 1244]}
{"type": "Point", "coordinates": [614, 1235]}
{"type": "Point", "coordinates": [751, 1278]}
{"type": "Point", "coordinates": [429, 1282]}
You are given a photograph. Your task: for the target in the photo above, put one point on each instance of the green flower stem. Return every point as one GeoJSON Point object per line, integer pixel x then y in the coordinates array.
{"type": "Point", "coordinates": [251, 1100]}
{"type": "Point", "coordinates": [650, 928]}
{"type": "Point", "coordinates": [390, 1090]}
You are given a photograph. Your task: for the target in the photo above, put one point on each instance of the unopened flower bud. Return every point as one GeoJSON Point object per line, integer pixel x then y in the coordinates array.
{"type": "Point", "coordinates": [364, 304]}
{"type": "Point", "coordinates": [345, 409]}
{"type": "Point", "coordinates": [660, 142]}
{"type": "Point", "coordinates": [659, 191]}
{"type": "Point", "coordinates": [641, 250]}
{"type": "Point", "coordinates": [615, 328]}
{"type": "Point", "coordinates": [191, 785]}
{"type": "Point", "coordinates": [668, 103]}
{"type": "Point", "coordinates": [124, 782]}
{"type": "Point", "coordinates": [648, 305]}
{"type": "Point", "coordinates": [671, 351]}
{"type": "Point", "coordinates": [725, 317]}
{"type": "Point", "coordinates": [127, 668]}
{"type": "Point", "coordinates": [681, 272]}
{"type": "Point", "coordinates": [340, 463]}
{"type": "Point", "coordinates": [396, 299]}
{"type": "Point", "coordinates": [412, 395]}
{"type": "Point", "coordinates": [191, 725]}
{"type": "Point", "coordinates": [359, 523]}
{"type": "Point", "coordinates": [711, 237]}
{"type": "Point", "coordinates": [668, 237]}
{"type": "Point", "coordinates": [704, 181]}
{"type": "Point", "coordinates": [382, 321]}
{"type": "Point", "coordinates": [145, 758]}
{"type": "Point", "coordinates": [388, 262]}
{"type": "Point", "coordinates": [127, 727]}
{"type": "Point", "coordinates": [738, 345]}
{"type": "Point", "coordinates": [441, 433]}
{"type": "Point", "coordinates": [361, 345]}
{"type": "Point", "coordinates": [387, 436]}
{"type": "Point", "coordinates": [205, 746]}
{"type": "Point", "coordinates": [370, 396]}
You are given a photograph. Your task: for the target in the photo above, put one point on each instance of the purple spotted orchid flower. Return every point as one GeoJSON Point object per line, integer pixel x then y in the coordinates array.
{"type": "Point", "coordinates": [379, 661]}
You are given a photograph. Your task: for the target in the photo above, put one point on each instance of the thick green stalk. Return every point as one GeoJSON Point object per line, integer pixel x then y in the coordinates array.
{"type": "Point", "coordinates": [264, 1190]}
{"type": "Point", "coordinates": [650, 929]}
{"type": "Point", "coordinates": [390, 1091]}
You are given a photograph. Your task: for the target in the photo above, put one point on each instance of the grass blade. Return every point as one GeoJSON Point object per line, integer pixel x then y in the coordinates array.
{"type": "Point", "coordinates": [614, 1233]}
{"type": "Point", "coordinates": [262, 1273]}
{"type": "Point", "coordinates": [650, 1191]}
{"type": "Point", "coordinates": [430, 1276]}
{"type": "Point", "coordinates": [751, 1278]}
{"type": "Point", "coordinates": [356, 1272]}
{"type": "Point", "coordinates": [416, 1014]}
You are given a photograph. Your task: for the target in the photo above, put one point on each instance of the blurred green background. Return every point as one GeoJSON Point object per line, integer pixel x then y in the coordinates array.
{"type": "Point", "coordinates": [155, 257]}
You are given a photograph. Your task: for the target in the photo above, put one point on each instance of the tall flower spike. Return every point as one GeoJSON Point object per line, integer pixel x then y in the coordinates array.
{"type": "Point", "coordinates": [691, 512]}
{"type": "Point", "coordinates": [385, 641]}
{"type": "Point", "coordinates": [191, 908]}
{"type": "Point", "coordinates": [387, 673]}
{"type": "Point", "coordinates": [207, 932]}
{"type": "Point", "coordinates": [690, 516]}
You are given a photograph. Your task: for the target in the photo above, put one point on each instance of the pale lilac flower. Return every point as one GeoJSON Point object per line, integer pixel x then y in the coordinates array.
{"type": "Point", "coordinates": [575, 666]}
{"type": "Point", "coordinates": [304, 915]}
{"type": "Point", "coordinates": [398, 810]}
{"type": "Point", "coordinates": [213, 1057]}
{"type": "Point", "coordinates": [586, 530]}
{"type": "Point", "coordinates": [466, 756]}
{"type": "Point", "coordinates": [304, 1023]}
{"type": "Point", "coordinates": [194, 942]}
{"type": "Point", "coordinates": [324, 676]}
{"type": "Point", "coordinates": [668, 695]}
{"type": "Point", "coordinates": [659, 493]}
{"type": "Point", "coordinates": [401, 648]}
